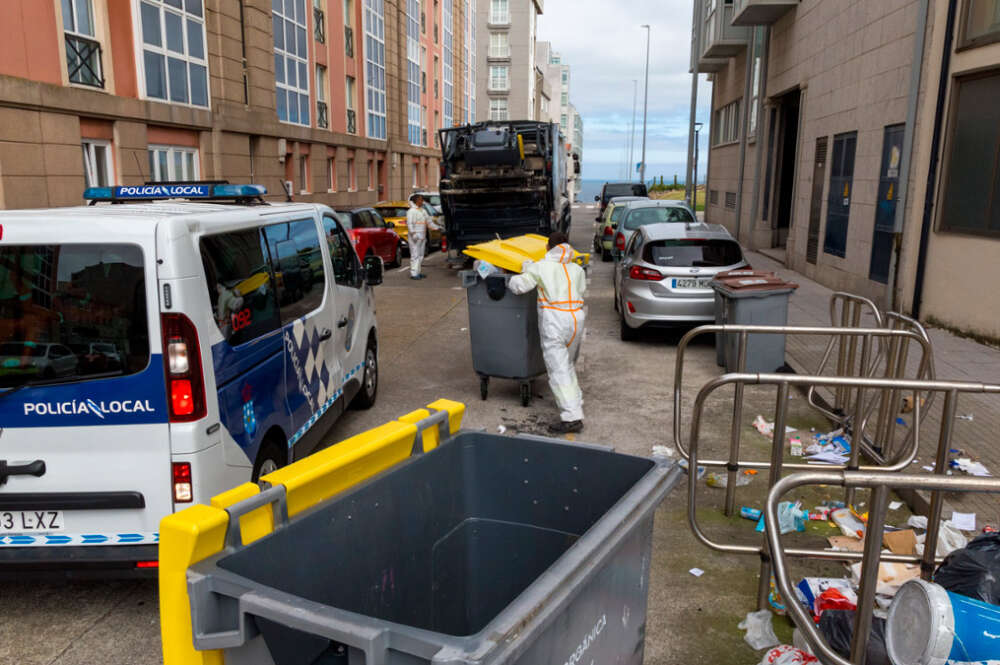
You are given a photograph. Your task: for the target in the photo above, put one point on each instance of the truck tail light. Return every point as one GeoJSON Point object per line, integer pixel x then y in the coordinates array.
{"type": "Point", "coordinates": [183, 490]}
{"type": "Point", "coordinates": [185, 382]}
{"type": "Point", "coordinates": [644, 274]}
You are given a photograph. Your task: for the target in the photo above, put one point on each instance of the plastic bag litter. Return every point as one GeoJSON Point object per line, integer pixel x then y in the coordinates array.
{"type": "Point", "coordinates": [663, 451]}
{"type": "Point", "coordinates": [722, 479]}
{"type": "Point", "coordinates": [485, 269]}
{"type": "Point", "coordinates": [949, 538]}
{"type": "Point", "coordinates": [849, 523]}
{"type": "Point", "coordinates": [786, 654]}
{"type": "Point", "coordinates": [760, 634]}
{"type": "Point", "coordinates": [683, 463]}
{"type": "Point", "coordinates": [767, 428]}
{"type": "Point", "coordinates": [973, 570]}
{"type": "Point", "coordinates": [837, 626]}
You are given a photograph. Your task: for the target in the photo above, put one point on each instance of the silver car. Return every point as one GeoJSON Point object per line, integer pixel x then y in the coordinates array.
{"type": "Point", "coordinates": [663, 276]}
{"type": "Point", "coordinates": [649, 211]}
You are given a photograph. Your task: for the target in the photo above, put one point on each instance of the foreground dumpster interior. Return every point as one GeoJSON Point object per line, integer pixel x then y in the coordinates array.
{"type": "Point", "coordinates": [447, 540]}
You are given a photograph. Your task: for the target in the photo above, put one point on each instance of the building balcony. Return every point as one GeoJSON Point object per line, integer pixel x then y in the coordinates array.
{"type": "Point", "coordinates": [352, 122]}
{"type": "Point", "coordinates": [322, 117]}
{"type": "Point", "coordinates": [83, 61]}
{"type": "Point", "coordinates": [349, 41]}
{"type": "Point", "coordinates": [702, 64]}
{"type": "Point", "coordinates": [319, 25]}
{"type": "Point", "coordinates": [719, 37]}
{"type": "Point", "coordinates": [761, 12]}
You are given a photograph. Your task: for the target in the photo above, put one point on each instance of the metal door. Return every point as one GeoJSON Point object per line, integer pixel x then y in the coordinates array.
{"type": "Point", "coordinates": [816, 206]}
{"type": "Point", "coordinates": [885, 207]}
{"type": "Point", "coordinates": [838, 207]}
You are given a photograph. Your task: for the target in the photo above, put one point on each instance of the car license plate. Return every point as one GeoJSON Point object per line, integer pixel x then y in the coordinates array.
{"type": "Point", "coordinates": [691, 282]}
{"type": "Point", "coordinates": [23, 521]}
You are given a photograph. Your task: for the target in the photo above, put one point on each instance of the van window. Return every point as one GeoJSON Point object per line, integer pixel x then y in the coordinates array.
{"type": "Point", "coordinates": [392, 212]}
{"type": "Point", "coordinates": [657, 215]}
{"type": "Point", "coordinates": [346, 271]}
{"type": "Point", "coordinates": [624, 189]}
{"type": "Point", "coordinates": [693, 253]}
{"type": "Point", "coordinates": [71, 312]}
{"type": "Point", "coordinates": [240, 285]}
{"type": "Point", "coordinates": [298, 267]}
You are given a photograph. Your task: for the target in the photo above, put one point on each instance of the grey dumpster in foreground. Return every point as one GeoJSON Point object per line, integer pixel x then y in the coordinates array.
{"type": "Point", "coordinates": [486, 550]}
{"type": "Point", "coordinates": [751, 298]}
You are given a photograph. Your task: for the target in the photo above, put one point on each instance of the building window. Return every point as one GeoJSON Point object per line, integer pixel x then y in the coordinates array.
{"type": "Point", "coordinates": [713, 197]}
{"type": "Point", "coordinates": [498, 109]}
{"type": "Point", "coordinates": [565, 77]}
{"type": "Point", "coordinates": [499, 77]}
{"type": "Point", "coordinates": [423, 70]}
{"type": "Point", "coordinates": [352, 176]}
{"type": "Point", "coordinates": [726, 124]}
{"type": "Point", "coordinates": [173, 51]}
{"type": "Point", "coordinates": [413, 71]}
{"type": "Point", "coordinates": [168, 163]}
{"type": "Point", "coordinates": [83, 52]}
{"type": "Point", "coordinates": [331, 174]}
{"type": "Point", "coordinates": [352, 125]}
{"type": "Point", "coordinates": [500, 12]}
{"type": "Point", "coordinates": [499, 45]}
{"type": "Point", "coordinates": [375, 68]}
{"type": "Point", "coordinates": [838, 202]}
{"type": "Point", "coordinates": [981, 24]}
{"type": "Point", "coordinates": [731, 200]}
{"type": "Point", "coordinates": [291, 57]}
{"type": "Point", "coordinates": [371, 175]}
{"type": "Point", "coordinates": [97, 168]}
{"type": "Point", "coordinates": [562, 122]}
{"type": "Point", "coordinates": [758, 50]}
{"type": "Point", "coordinates": [971, 194]}
{"type": "Point", "coordinates": [565, 99]}
{"type": "Point", "coordinates": [415, 184]}
{"type": "Point", "coordinates": [322, 112]}
{"type": "Point", "coordinates": [304, 174]}
{"type": "Point", "coordinates": [447, 61]}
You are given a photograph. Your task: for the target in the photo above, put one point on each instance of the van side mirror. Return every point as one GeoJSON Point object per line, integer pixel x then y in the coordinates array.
{"type": "Point", "coordinates": [597, 198]}
{"type": "Point", "coordinates": [373, 270]}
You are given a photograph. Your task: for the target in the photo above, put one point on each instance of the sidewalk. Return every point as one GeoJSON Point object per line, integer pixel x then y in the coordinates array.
{"type": "Point", "coordinates": [955, 359]}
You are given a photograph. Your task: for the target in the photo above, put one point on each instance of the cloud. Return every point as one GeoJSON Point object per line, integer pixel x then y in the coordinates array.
{"type": "Point", "coordinates": [606, 50]}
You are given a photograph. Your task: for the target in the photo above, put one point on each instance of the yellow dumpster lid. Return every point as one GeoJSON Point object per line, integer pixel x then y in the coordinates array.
{"type": "Point", "coordinates": [511, 253]}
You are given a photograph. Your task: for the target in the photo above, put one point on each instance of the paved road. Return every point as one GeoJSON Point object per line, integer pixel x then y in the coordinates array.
{"type": "Point", "coordinates": [424, 355]}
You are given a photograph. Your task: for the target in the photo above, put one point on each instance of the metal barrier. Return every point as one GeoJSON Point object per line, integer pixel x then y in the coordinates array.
{"type": "Point", "coordinates": [880, 484]}
{"type": "Point", "coordinates": [784, 382]}
{"type": "Point", "coordinates": [733, 464]}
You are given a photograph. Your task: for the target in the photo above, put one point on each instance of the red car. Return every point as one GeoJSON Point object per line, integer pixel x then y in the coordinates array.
{"type": "Point", "coordinates": [370, 234]}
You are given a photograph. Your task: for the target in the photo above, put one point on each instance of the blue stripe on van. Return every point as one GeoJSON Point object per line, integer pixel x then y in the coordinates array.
{"type": "Point", "coordinates": [137, 399]}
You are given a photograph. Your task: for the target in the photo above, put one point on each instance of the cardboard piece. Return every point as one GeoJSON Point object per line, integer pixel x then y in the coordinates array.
{"type": "Point", "coordinates": [901, 542]}
{"type": "Point", "coordinates": [846, 544]}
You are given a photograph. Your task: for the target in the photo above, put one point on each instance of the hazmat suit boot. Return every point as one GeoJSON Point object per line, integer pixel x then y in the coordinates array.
{"type": "Point", "coordinates": [561, 285]}
{"type": "Point", "coordinates": [563, 427]}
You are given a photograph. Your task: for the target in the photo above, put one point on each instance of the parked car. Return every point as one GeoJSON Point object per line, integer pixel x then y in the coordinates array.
{"type": "Point", "coordinates": [372, 235]}
{"type": "Point", "coordinates": [394, 213]}
{"type": "Point", "coordinates": [434, 199]}
{"type": "Point", "coordinates": [612, 189]}
{"type": "Point", "coordinates": [663, 277]}
{"type": "Point", "coordinates": [36, 359]}
{"type": "Point", "coordinates": [640, 213]}
{"type": "Point", "coordinates": [604, 230]}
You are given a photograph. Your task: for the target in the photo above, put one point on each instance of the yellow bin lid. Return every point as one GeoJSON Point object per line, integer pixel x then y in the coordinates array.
{"type": "Point", "coordinates": [511, 253]}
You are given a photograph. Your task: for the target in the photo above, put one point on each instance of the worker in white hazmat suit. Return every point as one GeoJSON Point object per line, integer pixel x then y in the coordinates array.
{"type": "Point", "coordinates": [417, 221]}
{"type": "Point", "coordinates": [561, 285]}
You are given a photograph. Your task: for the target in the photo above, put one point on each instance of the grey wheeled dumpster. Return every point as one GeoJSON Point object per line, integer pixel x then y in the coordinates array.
{"type": "Point", "coordinates": [488, 550]}
{"type": "Point", "coordinates": [503, 331]}
{"type": "Point", "coordinates": [743, 298]}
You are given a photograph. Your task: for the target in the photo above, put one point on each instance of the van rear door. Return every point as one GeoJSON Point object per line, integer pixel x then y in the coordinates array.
{"type": "Point", "coordinates": [83, 416]}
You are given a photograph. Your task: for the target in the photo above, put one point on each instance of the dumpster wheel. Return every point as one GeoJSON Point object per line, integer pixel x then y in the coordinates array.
{"type": "Point", "coordinates": [525, 393]}
{"type": "Point", "coordinates": [484, 386]}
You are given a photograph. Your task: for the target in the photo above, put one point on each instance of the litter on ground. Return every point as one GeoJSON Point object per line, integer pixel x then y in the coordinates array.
{"type": "Point", "coordinates": [760, 632]}
{"type": "Point", "coordinates": [767, 428]}
{"type": "Point", "coordinates": [697, 572]}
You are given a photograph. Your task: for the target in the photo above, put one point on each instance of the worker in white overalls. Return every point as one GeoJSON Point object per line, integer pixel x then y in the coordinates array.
{"type": "Point", "coordinates": [417, 221]}
{"type": "Point", "coordinates": [561, 285]}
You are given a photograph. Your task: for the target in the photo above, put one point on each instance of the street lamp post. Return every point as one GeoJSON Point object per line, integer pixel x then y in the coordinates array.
{"type": "Point", "coordinates": [645, 109]}
{"type": "Point", "coordinates": [631, 131]}
{"type": "Point", "coordinates": [694, 190]}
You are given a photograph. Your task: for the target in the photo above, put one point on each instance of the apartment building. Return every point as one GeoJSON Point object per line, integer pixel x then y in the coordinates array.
{"type": "Point", "coordinates": [509, 87]}
{"type": "Point", "coordinates": [339, 98]}
{"type": "Point", "coordinates": [857, 141]}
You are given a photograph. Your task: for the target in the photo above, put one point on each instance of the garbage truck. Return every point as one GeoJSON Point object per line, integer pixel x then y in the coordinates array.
{"type": "Point", "coordinates": [503, 179]}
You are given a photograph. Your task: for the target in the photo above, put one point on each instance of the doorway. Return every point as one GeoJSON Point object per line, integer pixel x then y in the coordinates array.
{"type": "Point", "coordinates": [784, 183]}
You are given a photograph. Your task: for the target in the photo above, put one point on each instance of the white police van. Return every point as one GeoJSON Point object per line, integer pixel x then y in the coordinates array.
{"type": "Point", "coordinates": [196, 344]}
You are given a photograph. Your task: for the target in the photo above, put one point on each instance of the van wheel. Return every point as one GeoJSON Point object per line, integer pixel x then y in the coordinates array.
{"type": "Point", "coordinates": [270, 458]}
{"type": "Point", "coordinates": [365, 399]}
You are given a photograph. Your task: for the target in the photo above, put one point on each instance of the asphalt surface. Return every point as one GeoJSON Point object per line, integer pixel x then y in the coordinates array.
{"type": "Point", "coordinates": [424, 352]}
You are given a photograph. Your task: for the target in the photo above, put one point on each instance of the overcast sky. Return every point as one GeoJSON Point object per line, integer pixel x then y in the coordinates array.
{"type": "Point", "coordinates": [602, 42]}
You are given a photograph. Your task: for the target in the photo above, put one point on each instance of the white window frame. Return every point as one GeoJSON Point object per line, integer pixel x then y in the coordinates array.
{"type": "Point", "coordinates": [289, 58]}
{"type": "Point", "coordinates": [499, 12]}
{"type": "Point", "coordinates": [140, 47]}
{"type": "Point", "coordinates": [447, 65]}
{"type": "Point", "coordinates": [171, 175]}
{"type": "Point", "coordinates": [416, 183]}
{"type": "Point", "coordinates": [412, 18]}
{"type": "Point", "coordinates": [92, 35]}
{"type": "Point", "coordinates": [352, 175]}
{"type": "Point", "coordinates": [499, 45]}
{"type": "Point", "coordinates": [321, 74]}
{"type": "Point", "coordinates": [376, 126]}
{"type": "Point", "coordinates": [499, 83]}
{"type": "Point", "coordinates": [499, 109]}
{"type": "Point", "coordinates": [371, 175]}
{"type": "Point", "coordinates": [331, 175]}
{"type": "Point", "coordinates": [304, 175]}
{"type": "Point", "coordinates": [90, 148]}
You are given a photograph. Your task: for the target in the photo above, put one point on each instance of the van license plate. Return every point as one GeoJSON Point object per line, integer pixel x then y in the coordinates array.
{"type": "Point", "coordinates": [691, 282]}
{"type": "Point", "coordinates": [22, 521]}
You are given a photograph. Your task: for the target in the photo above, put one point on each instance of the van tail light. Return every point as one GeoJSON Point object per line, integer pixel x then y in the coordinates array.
{"type": "Point", "coordinates": [620, 242]}
{"type": "Point", "coordinates": [147, 564]}
{"type": "Point", "coordinates": [608, 231]}
{"type": "Point", "coordinates": [182, 361]}
{"type": "Point", "coordinates": [644, 274]}
{"type": "Point", "coordinates": [183, 490]}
